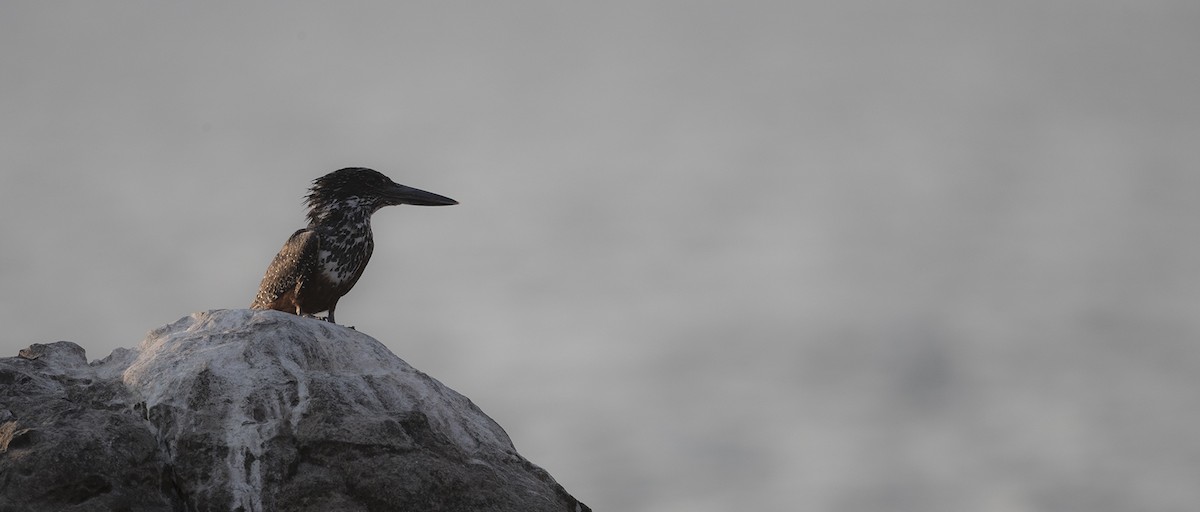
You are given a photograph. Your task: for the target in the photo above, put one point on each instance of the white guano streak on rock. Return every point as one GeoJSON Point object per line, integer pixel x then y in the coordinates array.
{"type": "Point", "coordinates": [301, 406]}
{"type": "Point", "coordinates": [244, 436]}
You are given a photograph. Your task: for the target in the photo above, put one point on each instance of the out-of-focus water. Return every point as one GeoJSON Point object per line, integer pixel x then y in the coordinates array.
{"type": "Point", "coordinates": [922, 256]}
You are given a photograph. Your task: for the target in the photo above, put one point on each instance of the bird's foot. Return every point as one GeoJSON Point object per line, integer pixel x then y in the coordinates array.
{"type": "Point", "coordinates": [330, 320]}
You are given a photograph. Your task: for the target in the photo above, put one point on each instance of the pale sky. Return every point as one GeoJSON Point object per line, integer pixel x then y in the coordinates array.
{"type": "Point", "coordinates": [847, 256]}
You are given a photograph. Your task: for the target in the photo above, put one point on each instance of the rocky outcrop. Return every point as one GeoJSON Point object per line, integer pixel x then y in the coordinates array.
{"type": "Point", "coordinates": [252, 411]}
{"type": "Point", "coordinates": [69, 439]}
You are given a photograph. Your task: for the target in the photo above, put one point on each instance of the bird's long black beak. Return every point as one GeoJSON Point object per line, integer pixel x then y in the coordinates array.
{"type": "Point", "coordinates": [400, 194]}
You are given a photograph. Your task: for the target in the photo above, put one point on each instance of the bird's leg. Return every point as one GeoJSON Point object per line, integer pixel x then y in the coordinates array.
{"type": "Point", "coordinates": [330, 317]}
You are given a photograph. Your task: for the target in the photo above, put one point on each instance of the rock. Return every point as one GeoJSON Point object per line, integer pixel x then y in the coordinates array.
{"type": "Point", "coordinates": [69, 441]}
{"type": "Point", "coordinates": [252, 411]}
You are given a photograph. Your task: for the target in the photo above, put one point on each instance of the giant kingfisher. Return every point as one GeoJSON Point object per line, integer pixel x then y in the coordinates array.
{"type": "Point", "coordinates": [320, 263]}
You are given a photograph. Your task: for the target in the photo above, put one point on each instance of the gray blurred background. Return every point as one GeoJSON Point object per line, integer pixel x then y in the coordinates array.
{"type": "Point", "coordinates": [710, 256]}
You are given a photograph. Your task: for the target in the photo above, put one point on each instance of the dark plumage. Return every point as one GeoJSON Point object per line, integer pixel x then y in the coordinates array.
{"type": "Point", "coordinates": [319, 264]}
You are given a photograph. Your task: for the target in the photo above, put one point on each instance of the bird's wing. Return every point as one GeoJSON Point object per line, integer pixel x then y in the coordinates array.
{"type": "Point", "coordinates": [294, 263]}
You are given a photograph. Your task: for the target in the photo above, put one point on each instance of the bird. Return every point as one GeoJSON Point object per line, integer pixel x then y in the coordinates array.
{"type": "Point", "coordinates": [321, 263]}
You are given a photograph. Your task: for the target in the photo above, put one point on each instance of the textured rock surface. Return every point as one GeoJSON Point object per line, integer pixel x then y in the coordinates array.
{"type": "Point", "coordinates": [68, 439]}
{"type": "Point", "coordinates": [253, 411]}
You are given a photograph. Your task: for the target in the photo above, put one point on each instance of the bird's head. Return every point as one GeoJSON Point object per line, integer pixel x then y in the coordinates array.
{"type": "Point", "coordinates": [364, 189]}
